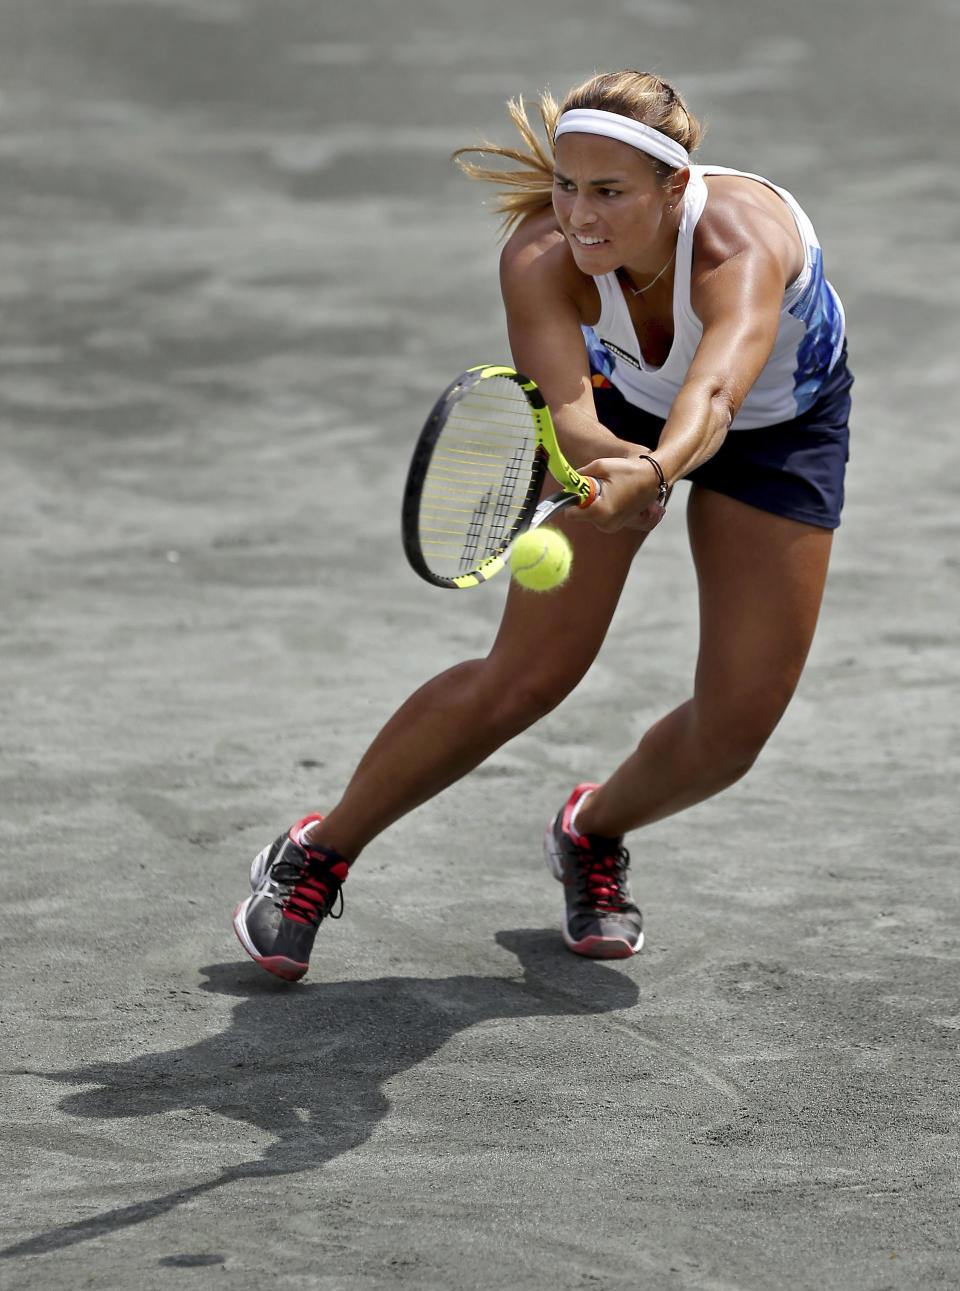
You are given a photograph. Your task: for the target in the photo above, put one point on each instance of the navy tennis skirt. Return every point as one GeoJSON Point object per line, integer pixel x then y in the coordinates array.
{"type": "Point", "coordinates": [793, 469]}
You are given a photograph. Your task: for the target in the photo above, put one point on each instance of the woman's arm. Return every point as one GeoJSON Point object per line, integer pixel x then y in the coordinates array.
{"type": "Point", "coordinates": [745, 254]}
{"type": "Point", "coordinates": [545, 297]}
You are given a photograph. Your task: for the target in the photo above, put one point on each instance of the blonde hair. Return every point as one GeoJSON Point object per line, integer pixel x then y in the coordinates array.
{"type": "Point", "coordinates": [526, 191]}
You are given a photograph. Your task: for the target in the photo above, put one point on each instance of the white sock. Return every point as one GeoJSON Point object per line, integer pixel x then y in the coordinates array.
{"type": "Point", "coordinates": [576, 811]}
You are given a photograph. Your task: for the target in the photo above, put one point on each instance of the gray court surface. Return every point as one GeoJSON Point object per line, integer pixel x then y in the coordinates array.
{"type": "Point", "coordinates": [236, 265]}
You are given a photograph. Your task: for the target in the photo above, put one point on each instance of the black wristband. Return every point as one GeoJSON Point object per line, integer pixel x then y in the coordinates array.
{"type": "Point", "coordinates": [663, 491]}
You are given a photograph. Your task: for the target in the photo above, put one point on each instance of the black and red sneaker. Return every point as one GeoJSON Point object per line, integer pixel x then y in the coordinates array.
{"type": "Point", "coordinates": [294, 888]}
{"type": "Point", "coordinates": [600, 919]}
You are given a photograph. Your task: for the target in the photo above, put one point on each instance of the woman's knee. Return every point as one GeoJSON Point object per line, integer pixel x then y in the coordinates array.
{"type": "Point", "coordinates": [515, 698]}
{"type": "Point", "coordinates": [733, 737]}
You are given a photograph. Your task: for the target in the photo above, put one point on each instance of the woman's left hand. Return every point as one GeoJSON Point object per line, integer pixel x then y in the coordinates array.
{"type": "Point", "coordinates": [629, 488]}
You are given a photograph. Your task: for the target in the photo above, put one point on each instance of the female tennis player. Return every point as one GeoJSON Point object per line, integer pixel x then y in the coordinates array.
{"type": "Point", "coordinates": [677, 319]}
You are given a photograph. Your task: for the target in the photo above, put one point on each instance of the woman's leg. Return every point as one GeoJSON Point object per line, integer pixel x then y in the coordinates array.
{"type": "Point", "coordinates": [545, 644]}
{"type": "Point", "coordinates": [761, 581]}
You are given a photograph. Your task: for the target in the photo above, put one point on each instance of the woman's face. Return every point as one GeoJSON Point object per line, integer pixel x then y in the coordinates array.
{"type": "Point", "coordinates": [611, 204]}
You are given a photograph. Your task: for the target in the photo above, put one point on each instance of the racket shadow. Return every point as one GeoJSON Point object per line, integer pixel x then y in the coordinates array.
{"type": "Point", "coordinates": [307, 1064]}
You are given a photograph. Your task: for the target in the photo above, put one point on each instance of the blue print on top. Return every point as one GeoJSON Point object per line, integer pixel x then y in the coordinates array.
{"type": "Point", "coordinates": [601, 360]}
{"type": "Point", "coordinates": [819, 309]}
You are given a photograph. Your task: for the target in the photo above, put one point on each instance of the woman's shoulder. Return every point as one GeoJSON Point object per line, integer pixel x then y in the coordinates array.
{"type": "Point", "coordinates": [745, 214]}
{"type": "Point", "coordinates": [536, 241]}
{"type": "Point", "coordinates": [739, 188]}
{"type": "Point", "coordinates": [537, 258]}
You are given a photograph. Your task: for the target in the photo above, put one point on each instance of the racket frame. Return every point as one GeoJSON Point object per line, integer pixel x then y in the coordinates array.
{"type": "Point", "coordinates": [577, 490]}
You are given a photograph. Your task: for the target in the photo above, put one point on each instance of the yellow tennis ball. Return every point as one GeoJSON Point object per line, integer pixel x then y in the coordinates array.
{"type": "Point", "coordinates": [540, 559]}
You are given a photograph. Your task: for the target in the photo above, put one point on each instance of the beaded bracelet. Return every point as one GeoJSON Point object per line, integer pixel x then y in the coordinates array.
{"type": "Point", "coordinates": [663, 491]}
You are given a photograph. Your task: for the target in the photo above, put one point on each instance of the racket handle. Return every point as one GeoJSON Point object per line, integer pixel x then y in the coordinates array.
{"type": "Point", "coordinates": [596, 488]}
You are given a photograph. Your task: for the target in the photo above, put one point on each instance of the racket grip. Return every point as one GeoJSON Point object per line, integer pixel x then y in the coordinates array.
{"type": "Point", "coordinates": [595, 489]}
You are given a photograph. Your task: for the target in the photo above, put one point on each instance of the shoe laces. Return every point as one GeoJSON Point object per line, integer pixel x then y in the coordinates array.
{"type": "Point", "coordinates": [602, 875]}
{"type": "Point", "coordinates": [314, 886]}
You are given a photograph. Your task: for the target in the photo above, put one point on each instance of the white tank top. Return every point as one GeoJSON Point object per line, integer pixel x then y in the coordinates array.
{"type": "Point", "coordinates": [808, 344]}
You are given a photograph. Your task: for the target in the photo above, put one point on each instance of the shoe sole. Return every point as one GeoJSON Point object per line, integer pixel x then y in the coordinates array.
{"type": "Point", "coordinates": [590, 947]}
{"type": "Point", "coordinates": [278, 965]}
{"type": "Point", "coordinates": [601, 947]}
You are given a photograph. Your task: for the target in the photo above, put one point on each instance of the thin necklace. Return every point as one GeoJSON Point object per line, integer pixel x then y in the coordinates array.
{"type": "Point", "coordinates": [638, 291]}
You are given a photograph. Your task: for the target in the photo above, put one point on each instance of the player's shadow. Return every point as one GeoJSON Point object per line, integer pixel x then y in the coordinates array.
{"type": "Point", "coordinates": [307, 1064]}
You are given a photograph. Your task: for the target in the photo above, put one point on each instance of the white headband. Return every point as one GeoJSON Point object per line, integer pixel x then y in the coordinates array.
{"type": "Point", "coordinates": [635, 133]}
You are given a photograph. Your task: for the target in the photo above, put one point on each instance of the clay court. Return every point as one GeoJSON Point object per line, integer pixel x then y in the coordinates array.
{"type": "Point", "coordinates": [237, 266]}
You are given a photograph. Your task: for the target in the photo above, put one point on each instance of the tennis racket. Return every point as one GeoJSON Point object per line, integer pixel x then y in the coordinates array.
{"type": "Point", "coordinates": [476, 477]}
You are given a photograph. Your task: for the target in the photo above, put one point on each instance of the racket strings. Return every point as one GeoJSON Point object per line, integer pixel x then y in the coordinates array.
{"type": "Point", "coordinates": [492, 520]}
{"type": "Point", "coordinates": [478, 483]}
